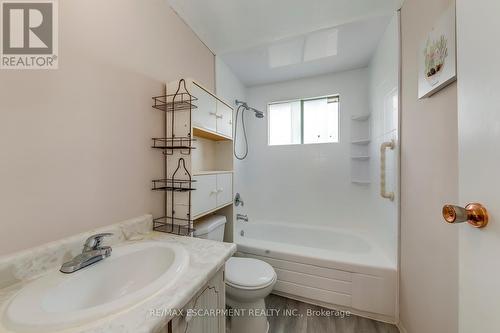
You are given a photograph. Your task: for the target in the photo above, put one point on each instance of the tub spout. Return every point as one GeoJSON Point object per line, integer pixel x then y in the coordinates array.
{"type": "Point", "coordinates": [241, 217]}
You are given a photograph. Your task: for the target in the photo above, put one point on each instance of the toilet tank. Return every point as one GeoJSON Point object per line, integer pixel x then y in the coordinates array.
{"type": "Point", "coordinates": [210, 227]}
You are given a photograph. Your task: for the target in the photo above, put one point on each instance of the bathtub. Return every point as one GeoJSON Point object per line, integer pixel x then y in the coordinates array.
{"type": "Point", "coordinates": [328, 267]}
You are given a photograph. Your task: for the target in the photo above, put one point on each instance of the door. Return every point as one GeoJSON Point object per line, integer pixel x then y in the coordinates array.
{"type": "Point", "coordinates": [224, 119]}
{"type": "Point", "coordinates": [478, 28]}
{"type": "Point", "coordinates": [224, 188]}
{"type": "Point", "coordinates": [195, 321]}
{"type": "Point", "coordinates": [210, 299]}
{"type": "Point", "coordinates": [204, 198]}
{"type": "Point", "coordinates": [204, 115]}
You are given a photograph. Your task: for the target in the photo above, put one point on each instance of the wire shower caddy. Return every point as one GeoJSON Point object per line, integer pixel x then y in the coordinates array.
{"type": "Point", "coordinates": [178, 184]}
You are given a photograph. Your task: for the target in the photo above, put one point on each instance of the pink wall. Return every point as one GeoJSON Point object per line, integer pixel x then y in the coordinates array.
{"type": "Point", "coordinates": [74, 142]}
{"type": "Point", "coordinates": [429, 178]}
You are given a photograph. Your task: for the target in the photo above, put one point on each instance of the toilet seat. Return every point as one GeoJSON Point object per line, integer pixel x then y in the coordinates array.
{"type": "Point", "coordinates": [249, 273]}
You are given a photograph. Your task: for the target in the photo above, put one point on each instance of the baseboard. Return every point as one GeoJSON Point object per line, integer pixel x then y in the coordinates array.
{"type": "Point", "coordinates": [401, 328]}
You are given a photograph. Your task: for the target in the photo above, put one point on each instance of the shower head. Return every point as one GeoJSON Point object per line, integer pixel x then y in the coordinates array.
{"type": "Point", "coordinates": [244, 105]}
{"type": "Point", "coordinates": [258, 114]}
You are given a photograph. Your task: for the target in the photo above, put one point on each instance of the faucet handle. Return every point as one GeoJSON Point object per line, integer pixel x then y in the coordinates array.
{"type": "Point", "coordinates": [94, 242]}
{"type": "Point", "coordinates": [238, 201]}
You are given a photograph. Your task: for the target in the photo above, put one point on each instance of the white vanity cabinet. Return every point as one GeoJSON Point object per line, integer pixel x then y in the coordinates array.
{"type": "Point", "coordinates": [211, 114]}
{"type": "Point", "coordinates": [205, 312]}
{"type": "Point", "coordinates": [212, 191]}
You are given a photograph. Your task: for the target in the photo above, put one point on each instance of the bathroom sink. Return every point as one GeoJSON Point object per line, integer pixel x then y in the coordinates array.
{"type": "Point", "coordinates": [131, 274]}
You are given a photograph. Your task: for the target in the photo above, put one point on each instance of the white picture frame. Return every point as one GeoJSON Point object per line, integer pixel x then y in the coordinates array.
{"type": "Point", "coordinates": [438, 56]}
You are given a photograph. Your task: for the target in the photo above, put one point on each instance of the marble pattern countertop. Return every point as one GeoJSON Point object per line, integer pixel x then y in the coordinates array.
{"type": "Point", "coordinates": [206, 258]}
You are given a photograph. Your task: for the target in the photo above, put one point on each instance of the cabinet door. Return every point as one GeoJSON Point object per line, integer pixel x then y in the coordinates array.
{"type": "Point", "coordinates": [208, 300]}
{"type": "Point", "coordinates": [224, 119]}
{"type": "Point", "coordinates": [224, 188]}
{"type": "Point", "coordinates": [204, 198]}
{"type": "Point", "coordinates": [204, 115]}
{"type": "Point", "coordinates": [211, 298]}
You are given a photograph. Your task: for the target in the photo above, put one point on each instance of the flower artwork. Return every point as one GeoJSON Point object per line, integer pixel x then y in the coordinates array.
{"type": "Point", "coordinates": [435, 54]}
{"type": "Point", "coordinates": [438, 56]}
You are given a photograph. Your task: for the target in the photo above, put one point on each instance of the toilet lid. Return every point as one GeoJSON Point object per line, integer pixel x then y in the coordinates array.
{"type": "Point", "coordinates": [249, 272]}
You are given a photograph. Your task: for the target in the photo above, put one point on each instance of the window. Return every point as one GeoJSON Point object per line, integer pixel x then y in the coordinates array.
{"type": "Point", "coordinates": [304, 121]}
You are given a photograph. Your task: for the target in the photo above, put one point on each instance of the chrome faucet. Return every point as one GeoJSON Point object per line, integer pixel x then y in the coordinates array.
{"type": "Point", "coordinates": [92, 253]}
{"type": "Point", "coordinates": [242, 217]}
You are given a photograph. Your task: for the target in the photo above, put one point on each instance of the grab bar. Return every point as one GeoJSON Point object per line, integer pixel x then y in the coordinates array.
{"type": "Point", "coordinates": [383, 192]}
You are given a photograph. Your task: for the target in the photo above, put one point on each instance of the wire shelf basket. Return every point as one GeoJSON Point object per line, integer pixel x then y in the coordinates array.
{"type": "Point", "coordinates": [169, 145]}
{"type": "Point", "coordinates": [175, 102]}
{"type": "Point", "coordinates": [178, 186]}
{"type": "Point", "coordinates": [174, 185]}
{"type": "Point", "coordinates": [171, 225]}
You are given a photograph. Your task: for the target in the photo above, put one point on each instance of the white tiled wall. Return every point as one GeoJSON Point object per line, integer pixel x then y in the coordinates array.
{"type": "Point", "coordinates": [311, 184]}
{"type": "Point", "coordinates": [384, 79]}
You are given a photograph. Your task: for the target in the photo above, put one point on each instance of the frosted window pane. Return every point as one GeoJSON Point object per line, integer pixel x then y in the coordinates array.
{"type": "Point", "coordinates": [321, 121]}
{"type": "Point", "coordinates": [284, 123]}
{"type": "Point", "coordinates": [304, 121]}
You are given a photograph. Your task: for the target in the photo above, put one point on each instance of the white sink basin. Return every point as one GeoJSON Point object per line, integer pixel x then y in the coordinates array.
{"type": "Point", "coordinates": [58, 301]}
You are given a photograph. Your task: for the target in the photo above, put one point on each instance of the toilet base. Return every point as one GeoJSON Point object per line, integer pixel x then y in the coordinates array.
{"type": "Point", "coordinates": [251, 317]}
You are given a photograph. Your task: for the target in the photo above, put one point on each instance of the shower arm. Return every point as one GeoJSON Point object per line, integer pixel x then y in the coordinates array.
{"type": "Point", "coordinates": [245, 106]}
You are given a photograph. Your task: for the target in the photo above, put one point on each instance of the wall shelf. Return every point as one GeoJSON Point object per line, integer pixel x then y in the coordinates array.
{"type": "Point", "coordinates": [361, 117]}
{"type": "Point", "coordinates": [173, 142]}
{"type": "Point", "coordinates": [207, 134]}
{"type": "Point", "coordinates": [177, 145]}
{"type": "Point", "coordinates": [199, 216]}
{"type": "Point", "coordinates": [211, 172]}
{"type": "Point", "coordinates": [361, 141]}
{"type": "Point", "coordinates": [197, 157]}
{"type": "Point", "coordinates": [173, 185]}
{"type": "Point", "coordinates": [360, 182]}
{"type": "Point", "coordinates": [360, 149]}
{"type": "Point", "coordinates": [173, 225]}
{"type": "Point", "coordinates": [175, 102]}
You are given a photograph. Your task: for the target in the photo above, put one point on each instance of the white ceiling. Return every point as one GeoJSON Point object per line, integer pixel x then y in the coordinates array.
{"type": "Point", "coordinates": [356, 44]}
{"type": "Point", "coordinates": [251, 34]}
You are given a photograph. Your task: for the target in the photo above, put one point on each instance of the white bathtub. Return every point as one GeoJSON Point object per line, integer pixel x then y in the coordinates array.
{"type": "Point", "coordinates": [324, 266]}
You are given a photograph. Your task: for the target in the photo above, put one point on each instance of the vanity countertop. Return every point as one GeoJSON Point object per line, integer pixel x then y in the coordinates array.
{"type": "Point", "coordinates": [206, 258]}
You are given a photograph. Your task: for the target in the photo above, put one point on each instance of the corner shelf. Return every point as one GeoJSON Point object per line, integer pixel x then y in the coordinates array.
{"type": "Point", "coordinates": [360, 182]}
{"type": "Point", "coordinates": [361, 141]}
{"type": "Point", "coordinates": [210, 135]}
{"type": "Point", "coordinates": [360, 149]}
{"type": "Point", "coordinates": [361, 117]}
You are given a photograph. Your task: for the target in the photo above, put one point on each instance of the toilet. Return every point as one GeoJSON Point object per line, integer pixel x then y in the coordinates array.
{"type": "Point", "coordinates": [248, 282]}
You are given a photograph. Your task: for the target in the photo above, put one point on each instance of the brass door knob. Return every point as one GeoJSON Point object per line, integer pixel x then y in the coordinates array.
{"type": "Point", "coordinates": [474, 213]}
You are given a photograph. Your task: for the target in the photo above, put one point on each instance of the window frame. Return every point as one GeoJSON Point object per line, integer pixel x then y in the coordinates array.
{"type": "Point", "coordinates": [302, 100]}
